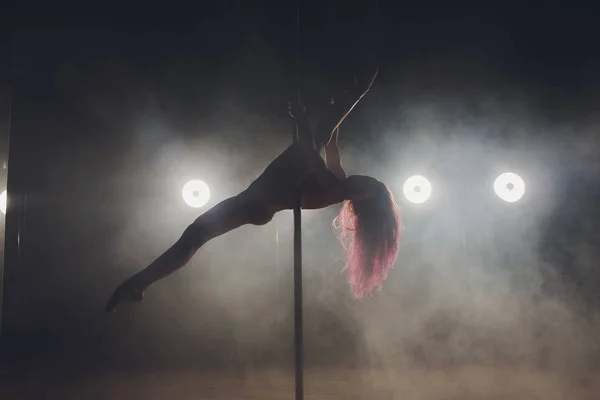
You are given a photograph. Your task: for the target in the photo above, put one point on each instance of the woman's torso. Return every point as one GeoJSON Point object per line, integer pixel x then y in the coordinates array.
{"type": "Point", "coordinates": [278, 185]}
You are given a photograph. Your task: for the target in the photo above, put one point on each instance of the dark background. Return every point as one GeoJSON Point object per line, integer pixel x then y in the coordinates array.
{"type": "Point", "coordinates": [116, 105]}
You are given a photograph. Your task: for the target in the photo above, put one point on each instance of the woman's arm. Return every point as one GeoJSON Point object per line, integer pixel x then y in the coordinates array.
{"type": "Point", "coordinates": [333, 158]}
{"type": "Point", "coordinates": [339, 109]}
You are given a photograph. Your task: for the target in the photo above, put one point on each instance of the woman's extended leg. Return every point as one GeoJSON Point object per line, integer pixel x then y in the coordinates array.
{"type": "Point", "coordinates": [222, 218]}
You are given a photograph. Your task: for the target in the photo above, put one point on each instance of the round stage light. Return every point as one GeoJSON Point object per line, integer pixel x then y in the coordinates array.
{"type": "Point", "coordinates": [509, 187]}
{"type": "Point", "coordinates": [3, 198]}
{"type": "Point", "coordinates": [196, 193]}
{"type": "Point", "coordinates": [417, 189]}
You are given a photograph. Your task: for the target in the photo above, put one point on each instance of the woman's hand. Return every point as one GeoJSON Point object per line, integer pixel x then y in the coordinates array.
{"type": "Point", "coordinates": [364, 84]}
{"type": "Point", "coordinates": [361, 87]}
{"type": "Point", "coordinates": [128, 291]}
{"type": "Point", "coordinates": [296, 110]}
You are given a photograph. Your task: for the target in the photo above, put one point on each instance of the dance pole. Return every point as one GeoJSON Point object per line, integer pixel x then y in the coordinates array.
{"type": "Point", "coordinates": [3, 258]}
{"type": "Point", "coordinates": [298, 326]}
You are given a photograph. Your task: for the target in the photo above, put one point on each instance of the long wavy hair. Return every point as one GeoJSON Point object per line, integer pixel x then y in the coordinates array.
{"type": "Point", "coordinates": [369, 230]}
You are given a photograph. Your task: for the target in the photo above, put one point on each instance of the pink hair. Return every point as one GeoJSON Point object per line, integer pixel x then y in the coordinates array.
{"type": "Point", "coordinates": [369, 230]}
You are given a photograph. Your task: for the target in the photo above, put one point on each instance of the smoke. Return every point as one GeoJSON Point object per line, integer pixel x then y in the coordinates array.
{"type": "Point", "coordinates": [472, 287]}
{"type": "Point", "coordinates": [474, 284]}
{"type": "Point", "coordinates": [479, 284]}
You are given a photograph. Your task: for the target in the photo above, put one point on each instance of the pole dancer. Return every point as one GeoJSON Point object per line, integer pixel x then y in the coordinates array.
{"type": "Point", "coordinates": [368, 224]}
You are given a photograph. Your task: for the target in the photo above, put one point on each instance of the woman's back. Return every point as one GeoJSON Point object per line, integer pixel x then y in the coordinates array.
{"type": "Point", "coordinates": [278, 185]}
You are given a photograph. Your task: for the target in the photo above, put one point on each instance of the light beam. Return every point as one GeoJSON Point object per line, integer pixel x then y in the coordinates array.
{"type": "Point", "coordinates": [3, 197]}
{"type": "Point", "coordinates": [195, 193]}
{"type": "Point", "coordinates": [417, 189]}
{"type": "Point", "coordinates": [509, 187]}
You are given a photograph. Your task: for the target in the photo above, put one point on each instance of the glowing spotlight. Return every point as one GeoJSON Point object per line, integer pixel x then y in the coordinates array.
{"type": "Point", "coordinates": [3, 202]}
{"type": "Point", "coordinates": [417, 189]}
{"type": "Point", "coordinates": [509, 187]}
{"type": "Point", "coordinates": [195, 193]}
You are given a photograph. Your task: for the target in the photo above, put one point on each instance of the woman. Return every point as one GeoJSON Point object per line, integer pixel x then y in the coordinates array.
{"type": "Point", "coordinates": [368, 223]}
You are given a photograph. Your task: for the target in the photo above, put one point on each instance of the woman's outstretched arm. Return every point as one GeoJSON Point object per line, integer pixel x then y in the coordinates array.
{"type": "Point", "coordinates": [222, 218]}
{"type": "Point", "coordinates": [339, 109]}
{"type": "Point", "coordinates": [333, 158]}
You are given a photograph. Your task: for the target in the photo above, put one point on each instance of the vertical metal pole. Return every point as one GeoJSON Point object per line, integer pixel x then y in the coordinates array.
{"type": "Point", "coordinates": [8, 206]}
{"type": "Point", "coordinates": [3, 258]}
{"type": "Point", "coordinates": [298, 323]}
{"type": "Point", "coordinates": [278, 268]}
